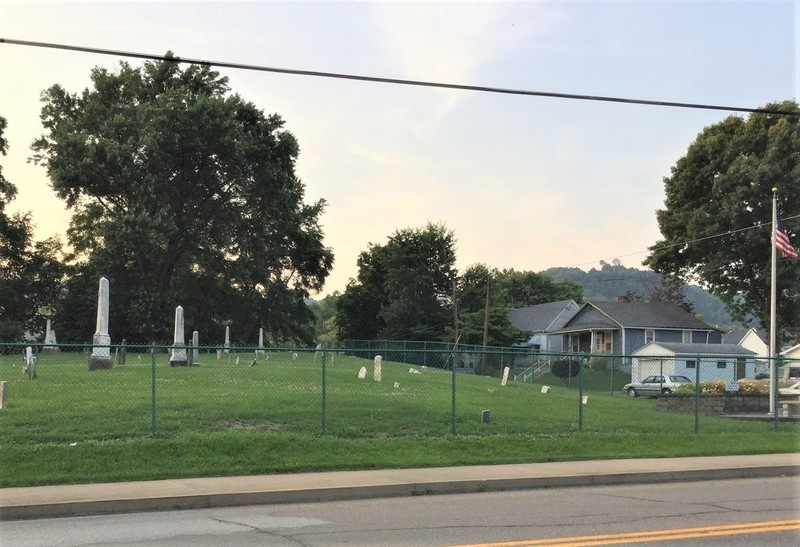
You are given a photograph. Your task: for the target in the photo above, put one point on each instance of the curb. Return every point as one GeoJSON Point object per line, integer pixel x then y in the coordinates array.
{"type": "Point", "coordinates": [222, 492]}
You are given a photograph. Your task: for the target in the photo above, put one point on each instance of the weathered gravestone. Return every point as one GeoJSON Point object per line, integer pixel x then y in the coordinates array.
{"type": "Point", "coordinates": [227, 339]}
{"type": "Point", "coordinates": [376, 372]}
{"type": "Point", "coordinates": [195, 360]}
{"type": "Point", "coordinates": [3, 395]}
{"type": "Point", "coordinates": [101, 341]}
{"type": "Point", "coordinates": [30, 364]}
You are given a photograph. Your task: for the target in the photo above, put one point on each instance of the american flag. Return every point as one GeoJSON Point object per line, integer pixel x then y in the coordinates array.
{"type": "Point", "coordinates": [782, 242]}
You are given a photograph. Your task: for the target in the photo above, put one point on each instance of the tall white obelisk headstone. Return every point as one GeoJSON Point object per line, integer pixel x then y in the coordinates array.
{"type": "Point", "coordinates": [49, 338]}
{"type": "Point", "coordinates": [260, 350]}
{"type": "Point", "coordinates": [101, 341]}
{"type": "Point", "coordinates": [178, 355]}
{"type": "Point", "coordinates": [227, 339]}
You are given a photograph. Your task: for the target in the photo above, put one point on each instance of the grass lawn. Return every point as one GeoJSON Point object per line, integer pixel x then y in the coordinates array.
{"type": "Point", "coordinates": [226, 417]}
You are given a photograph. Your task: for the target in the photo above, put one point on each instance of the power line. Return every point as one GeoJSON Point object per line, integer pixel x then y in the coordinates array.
{"type": "Point", "coordinates": [395, 81]}
{"type": "Point", "coordinates": [689, 242]}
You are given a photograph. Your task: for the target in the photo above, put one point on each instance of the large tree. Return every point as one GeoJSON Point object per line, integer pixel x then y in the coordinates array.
{"type": "Point", "coordinates": [183, 194]}
{"type": "Point", "coordinates": [403, 289]}
{"type": "Point", "coordinates": [716, 222]}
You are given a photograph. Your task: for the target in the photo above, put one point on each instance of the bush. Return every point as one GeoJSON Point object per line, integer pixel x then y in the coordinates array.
{"type": "Point", "coordinates": [565, 368]}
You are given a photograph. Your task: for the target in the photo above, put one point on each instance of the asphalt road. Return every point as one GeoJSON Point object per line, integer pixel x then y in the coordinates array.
{"type": "Point", "coordinates": [558, 516]}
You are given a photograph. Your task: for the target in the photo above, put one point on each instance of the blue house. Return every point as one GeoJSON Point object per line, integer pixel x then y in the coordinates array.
{"type": "Point", "coordinates": [541, 321]}
{"type": "Point", "coordinates": [619, 328]}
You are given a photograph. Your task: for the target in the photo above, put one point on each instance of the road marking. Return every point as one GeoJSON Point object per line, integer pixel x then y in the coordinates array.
{"type": "Point", "coordinates": [653, 535]}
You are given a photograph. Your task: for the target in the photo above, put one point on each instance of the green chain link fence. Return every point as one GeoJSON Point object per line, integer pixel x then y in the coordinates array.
{"type": "Point", "coordinates": [424, 389]}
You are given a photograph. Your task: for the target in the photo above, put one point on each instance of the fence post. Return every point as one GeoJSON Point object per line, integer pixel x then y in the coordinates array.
{"type": "Point", "coordinates": [580, 395]}
{"type": "Point", "coordinates": [697, 395]}
{"type": "Point", "coordinates": [611, 380]}
{"type": "Point", "coordinates": [453, 394]}
{"type": "Point", "coordinates": [324, 396]}
{"type": "Point", "coordinates": [153, 384]}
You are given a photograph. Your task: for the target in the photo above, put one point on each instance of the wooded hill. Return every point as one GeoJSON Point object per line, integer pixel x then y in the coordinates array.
{"type": "Point", "coordinates": [614, 280]}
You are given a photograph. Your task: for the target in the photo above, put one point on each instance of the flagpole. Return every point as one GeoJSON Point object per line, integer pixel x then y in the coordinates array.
{"type": "Point", "coordinates": [772, 306]}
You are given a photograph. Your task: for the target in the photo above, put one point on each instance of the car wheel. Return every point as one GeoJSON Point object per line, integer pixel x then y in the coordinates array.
{"type": "Point", "coordinates": [666, 391]}
{"type": "Point", "coordinates": [631, 392]}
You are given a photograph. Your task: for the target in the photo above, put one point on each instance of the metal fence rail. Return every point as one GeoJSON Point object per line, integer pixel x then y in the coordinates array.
{"type": "Point", "coordinates": [415, 388]}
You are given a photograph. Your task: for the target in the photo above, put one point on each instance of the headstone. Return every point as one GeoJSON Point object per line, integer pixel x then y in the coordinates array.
{"type": "Point", "coordinates": [219, 354]}
{"type": "Point", "coordinates": [121, 353]}
{"type": "Point", "coordinates": [545, 389]}
{"type": "Point", "coordinates": [397, 385]}
{"type": "Point", "coordinates": [3, 395]}
{"type": "Point", "coordinates": [260, 349]}
{"type": "Point", "coordinates": [486, 417]}
{"type": "Point", "coordinates": [585, 399]}
{"type": "Point", "coordinates": [237, 359]}
{"type": "Point", "coordinates": [504, 381]}
{"type": "Point", "coordinates": [49, 338]}
{"type": "Point", "coordinates": [227, 339]}
{"type": "Point", "coordinates": [318, 351]}
{"type": "Point", "coordinates": [376, 372]}
{"type": "Point", "coordinates": [101, 341]}
{"type": "Point", "coordinates": [178, 356]}
{"type": "Point", "coordinates": [294, 356]}
{"type": "Point", "coordinates": [195, 349]}
{"type": "Point", "coordinates": [362, 373]}
{"type": "Point", "coordinates": [30, 364]}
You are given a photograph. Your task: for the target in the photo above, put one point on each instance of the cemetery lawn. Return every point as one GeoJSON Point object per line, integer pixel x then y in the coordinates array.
{"type": "Point", "coordinates": [227, 417]}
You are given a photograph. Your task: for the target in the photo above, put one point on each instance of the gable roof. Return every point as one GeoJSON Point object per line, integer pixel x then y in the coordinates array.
{"type": "Point", "coordinates": [543, 317]}
{"type": "Point", "coordinates": [653, 315]}
{"type": "Point", "coordinates": [700, 349]}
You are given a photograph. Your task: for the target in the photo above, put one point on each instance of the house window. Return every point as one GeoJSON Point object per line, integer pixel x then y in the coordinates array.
{"type": "Point", "coordinates": [722, 364]}
{"type": "Point", "coordinates": [687, 337]}
{"type": "Point", "coordinates": [649, 335]}
{"type": "Point", "coordinates": [691, 364]}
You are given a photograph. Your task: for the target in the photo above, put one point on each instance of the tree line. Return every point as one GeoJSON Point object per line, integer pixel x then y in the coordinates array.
{"type": "Point", "coordinates": [182, 192]}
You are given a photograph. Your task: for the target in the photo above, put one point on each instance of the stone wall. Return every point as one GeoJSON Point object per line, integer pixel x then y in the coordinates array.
{"type": "Point", "coordinates": [716, 403]}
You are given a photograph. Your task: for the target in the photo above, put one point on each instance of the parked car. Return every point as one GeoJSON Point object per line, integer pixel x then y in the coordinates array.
{"type": "Point", "coordinates": [655, 385]}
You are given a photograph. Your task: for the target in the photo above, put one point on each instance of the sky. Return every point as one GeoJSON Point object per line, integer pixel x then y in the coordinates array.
{"type": "Point", "coordinates": [524, 182]}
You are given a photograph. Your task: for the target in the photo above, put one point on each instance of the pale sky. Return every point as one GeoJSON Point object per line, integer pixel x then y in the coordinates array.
{"type": "Point", "coordinates": [524, 182]}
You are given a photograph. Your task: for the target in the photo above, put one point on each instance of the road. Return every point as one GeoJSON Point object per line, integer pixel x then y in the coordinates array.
{"type": "Point", "coordinates": [563, 516]}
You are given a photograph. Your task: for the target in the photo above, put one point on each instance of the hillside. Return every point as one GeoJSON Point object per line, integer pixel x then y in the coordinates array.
{"type": "Point", "coordinates": [612, 281]}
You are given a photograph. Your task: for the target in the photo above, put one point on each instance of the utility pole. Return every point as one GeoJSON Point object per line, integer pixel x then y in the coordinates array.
{"type": "Point", "coordinates": [485, 325]}
{"type": "Point", "coordinates": [455, 314]}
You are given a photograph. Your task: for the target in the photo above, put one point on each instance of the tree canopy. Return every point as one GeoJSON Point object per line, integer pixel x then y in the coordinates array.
{"type": "Point", "coordinates": [183, 194]}
{"type": "Point", "coordinates": [403, 289]}
{"type": "Point", "coordinates": [716, 222]}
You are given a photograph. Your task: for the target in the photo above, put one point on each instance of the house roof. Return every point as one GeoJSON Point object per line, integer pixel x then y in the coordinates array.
{"type": "Point", "coordinates": [705, 349]}
{"type": "Point", "coordinates": [542, 317]}
{"type": "Point", "coordinates": [655, 315]}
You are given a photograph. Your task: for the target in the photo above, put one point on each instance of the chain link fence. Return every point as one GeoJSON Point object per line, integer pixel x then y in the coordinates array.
{"type": "Point", "coordinates": [60, 393]}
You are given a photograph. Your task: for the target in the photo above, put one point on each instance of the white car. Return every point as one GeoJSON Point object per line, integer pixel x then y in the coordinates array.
{"type": "Point", "coordinates": [655, 385]}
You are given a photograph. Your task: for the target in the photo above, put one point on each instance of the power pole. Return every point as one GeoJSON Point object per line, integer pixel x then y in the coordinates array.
{"type": "Point", "coordinates": [485, 325]}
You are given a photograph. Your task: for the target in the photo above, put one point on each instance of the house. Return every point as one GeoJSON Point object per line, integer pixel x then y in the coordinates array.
{"type": "Point", "coordinates": [726, 362]}
{"type": "Point", "coordinates": [792, 352]}
{"type": "Point", "coordinates": [541, 320]}
{"type": "Point", "coordinates": [620, 327]}
{"type": "Point", "coordinates": [755, 340]}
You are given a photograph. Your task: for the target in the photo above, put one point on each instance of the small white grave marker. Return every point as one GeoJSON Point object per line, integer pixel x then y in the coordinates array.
{"type": "Point", "coordinates": [545, 389]}
{"type": "Point", "coordinates": [376, 373]}
{"type": "Point", "coordinates": [3, 395]}
{"type": "Point", "coordinates": [585, 399]}
{"type": "Point", "coordinates": [397, 385]}
{"type": "Point", "coordinates": [505, 376]}
{"type": "Point", "coordinates": [362, 373]}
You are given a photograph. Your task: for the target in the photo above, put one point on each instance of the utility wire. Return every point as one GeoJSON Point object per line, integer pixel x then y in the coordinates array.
{"type": "Point", "coordinates": [689, 242]}
{"type": "Point", "coordinates": [396, 81]}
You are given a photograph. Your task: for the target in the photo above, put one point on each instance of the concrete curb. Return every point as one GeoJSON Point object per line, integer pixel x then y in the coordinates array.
{"type": "Point", "coordinates": [203, 493]}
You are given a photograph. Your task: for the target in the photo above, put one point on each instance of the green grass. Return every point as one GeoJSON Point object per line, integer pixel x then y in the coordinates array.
{"type": "Point", "coordinates": [72, 426]}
